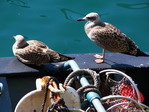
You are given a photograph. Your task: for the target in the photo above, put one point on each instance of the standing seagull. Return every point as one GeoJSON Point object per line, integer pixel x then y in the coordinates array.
{"type": "Point", "coordinates": [108, 37]}
{"type": "Point", "coordinates": [35, 52]}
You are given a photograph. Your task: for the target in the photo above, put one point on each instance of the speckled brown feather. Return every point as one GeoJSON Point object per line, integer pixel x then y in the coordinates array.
{"type": "Point", "coordinates": [32, 55]}
{"type": "Point", "coordinates": [37, 53]}
{"type": "Point", "coordinates": [112, 39]}
{"type": "Point", "coordinates": [37, 43]}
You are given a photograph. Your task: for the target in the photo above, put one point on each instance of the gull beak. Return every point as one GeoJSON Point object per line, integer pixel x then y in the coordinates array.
{"type": "Point", "coordinates": [81, 19]}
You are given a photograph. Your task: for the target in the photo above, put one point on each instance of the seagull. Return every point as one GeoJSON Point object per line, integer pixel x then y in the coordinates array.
{"type": "Point", "coordinates": [108, 37]}
{"type": "Point", "coordinates": [35, 52]}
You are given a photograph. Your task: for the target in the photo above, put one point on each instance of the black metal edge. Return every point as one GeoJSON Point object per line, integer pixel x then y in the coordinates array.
{"type": "Point", "coordinates": [11, 66]}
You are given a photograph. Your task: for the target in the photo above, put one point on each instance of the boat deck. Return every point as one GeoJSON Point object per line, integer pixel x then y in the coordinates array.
{"type": "Point", "coordinates": [19, 79]}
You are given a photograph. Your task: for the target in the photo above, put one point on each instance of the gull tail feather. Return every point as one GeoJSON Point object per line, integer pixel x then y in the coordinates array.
{"type": "Point", "coordinates": [57, 57]}
{"type": "Point", "coordinates": [65, 58]}
{"type": "Point", "coordinates": [141, 53]}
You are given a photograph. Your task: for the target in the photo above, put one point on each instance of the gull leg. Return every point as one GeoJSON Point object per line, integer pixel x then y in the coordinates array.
{"type": "Point", "coordinates": [100, 59]}
{"type": "Point", "coordinates": [100, 56]}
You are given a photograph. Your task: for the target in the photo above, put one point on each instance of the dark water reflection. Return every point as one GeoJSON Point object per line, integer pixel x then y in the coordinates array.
{"type": "Point", "coordinates": [134, 6]}
{"type": "Point", "coordinates": [19, 3]}
{"type": "Point", "coordinates": [69, 13]}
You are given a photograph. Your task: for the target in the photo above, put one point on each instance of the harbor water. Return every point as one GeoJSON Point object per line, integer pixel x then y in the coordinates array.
{"type": "Point", "coordinates": [54, 22]}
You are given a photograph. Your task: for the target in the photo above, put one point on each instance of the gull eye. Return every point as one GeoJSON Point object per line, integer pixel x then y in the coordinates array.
{"type": "Point", "coordinates": [91, 18]}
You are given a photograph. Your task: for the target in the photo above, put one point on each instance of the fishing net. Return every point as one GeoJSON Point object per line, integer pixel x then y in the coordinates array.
{"type": "Point", "coordinates": [120, 93]}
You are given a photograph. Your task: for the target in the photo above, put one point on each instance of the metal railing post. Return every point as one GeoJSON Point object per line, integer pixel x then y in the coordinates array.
{"type": "Point", "coordinates": [1, 88]}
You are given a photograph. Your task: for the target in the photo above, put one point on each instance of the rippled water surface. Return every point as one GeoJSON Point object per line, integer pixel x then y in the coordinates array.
{"type": "Point", "coordinates": [54, 22]}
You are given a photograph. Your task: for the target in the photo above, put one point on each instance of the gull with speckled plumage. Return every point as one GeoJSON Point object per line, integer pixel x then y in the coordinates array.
{"type": "Point", "coordinates": [35, 52]}
{"type": "Point", "coordinates": [108, 37]}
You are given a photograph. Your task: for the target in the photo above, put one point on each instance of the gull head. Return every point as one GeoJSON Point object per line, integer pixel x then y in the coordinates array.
{"type": "Point", "coordinates": [92, 17]}
{"type": "Point", "coordinates": [19, 38]}
{"type": "Point", "coordinates": [20, 41]}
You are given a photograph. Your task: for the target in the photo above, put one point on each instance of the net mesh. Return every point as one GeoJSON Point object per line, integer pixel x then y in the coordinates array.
{"type": "Point", "coordinates": [116, 84]}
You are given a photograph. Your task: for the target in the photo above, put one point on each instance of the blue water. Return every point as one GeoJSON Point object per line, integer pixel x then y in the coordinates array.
{"type": "Point", "coordinates": [54, 22]}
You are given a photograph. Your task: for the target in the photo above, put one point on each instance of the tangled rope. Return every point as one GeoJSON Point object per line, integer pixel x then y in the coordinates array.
{"type": "Point", "coordinates": [85, 89]}
{"type": "Point", "coordinates": [45, 94]}
{"type": "Point", "coordinates": [72, 76]}
{"type": "Point", "coordinates": [88, 88]}
{"type": "Point", "coordinates": [59, 105]}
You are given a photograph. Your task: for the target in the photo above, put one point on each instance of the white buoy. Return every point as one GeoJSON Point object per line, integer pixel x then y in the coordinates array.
{"type": "Point", "coordinates": [32, 101]}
